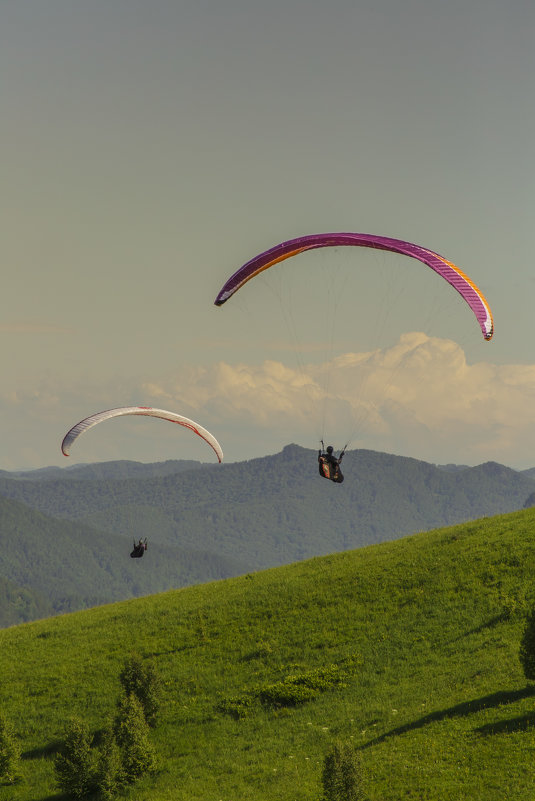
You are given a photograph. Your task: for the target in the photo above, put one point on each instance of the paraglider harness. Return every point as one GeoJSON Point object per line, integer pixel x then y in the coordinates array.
{"type": "Point", "coordinates": [139, 549]}
{"type": "Point", "coordinates": [329, 465]}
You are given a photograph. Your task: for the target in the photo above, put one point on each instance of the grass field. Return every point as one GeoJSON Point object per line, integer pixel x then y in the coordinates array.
{"type": "Point", "coordinates": [425, 632]}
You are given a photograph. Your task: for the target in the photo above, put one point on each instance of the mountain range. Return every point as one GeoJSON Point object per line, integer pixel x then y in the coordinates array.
{"type": "Point", "coordinates": [65, 534]}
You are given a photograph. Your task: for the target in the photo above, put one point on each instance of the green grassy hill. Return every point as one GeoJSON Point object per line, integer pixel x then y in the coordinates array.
{"type": "Point", "coordinates": [423, 632]}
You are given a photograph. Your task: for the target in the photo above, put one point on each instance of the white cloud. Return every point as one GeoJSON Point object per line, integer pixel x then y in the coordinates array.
{"type": "Point", "coordinates": [419, 397]}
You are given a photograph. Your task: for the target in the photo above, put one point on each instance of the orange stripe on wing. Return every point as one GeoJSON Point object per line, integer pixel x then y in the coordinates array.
{"type": "Point", "coordinates": [270, 264]}
{"type": "Point", "coordinates": [476, 289]}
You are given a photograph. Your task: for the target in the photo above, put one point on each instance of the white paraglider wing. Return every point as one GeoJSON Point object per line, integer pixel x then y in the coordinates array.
{"type": "Point", "coordinates": [147, 411]}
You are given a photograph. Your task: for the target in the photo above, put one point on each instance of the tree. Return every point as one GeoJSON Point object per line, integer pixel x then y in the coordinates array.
{"type": "Point", "coordinates": [74, 763]}
{"type": "Point", "coordinates": [527, 647]}
{"type": "Point", "coordinates": [132, 735]}
{"type": "Point", "coordinates": [109, 776]}
{"type": "Point", "coordinates": [342, 775]}
{"type": "Point", "coordinates": [141, 679]}
{"type": "Point", "coordinates": [9, 751]}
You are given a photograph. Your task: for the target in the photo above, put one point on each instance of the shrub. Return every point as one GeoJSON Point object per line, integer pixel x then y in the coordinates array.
{"type": "Point", "coordinates": [140, 678]}
{"type": "Point", "coordinates": [294, 689]}
{"type": "Point", "coordinates": [238, 707]}
{"type": "Point", "coordinates": [9, 751]}
{"type": "Point", "coordinates": [342, 776]}
{"type": "Point", "coordinates": [286, 693]}
{"type": "Point", "coordinates": [298, 688]}
{"type": "Point", "coordinates": [109, 773]}
{"type": "Point", "coordinates": [73, 765]}
{"type": "Point", "coordinates": [132, 735]}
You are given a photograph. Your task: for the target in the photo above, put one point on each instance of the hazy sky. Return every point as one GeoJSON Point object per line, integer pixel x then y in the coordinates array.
{"type": "Point", "coordinates": [149, 149]}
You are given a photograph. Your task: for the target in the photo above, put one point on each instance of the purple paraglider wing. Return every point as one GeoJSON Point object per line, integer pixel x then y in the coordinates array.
{"type": "Point", "coordinates": [446, 269]}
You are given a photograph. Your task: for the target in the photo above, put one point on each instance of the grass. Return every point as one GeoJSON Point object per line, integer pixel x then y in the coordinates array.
{"type": "Point", "coordinates": [425, 630]}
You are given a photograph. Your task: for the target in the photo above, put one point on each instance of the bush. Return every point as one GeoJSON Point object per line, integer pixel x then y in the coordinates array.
{"type": "Point", "coordinates": [342, 776]}
{"type": "Point", "coordinates": [286, 693]}
{"type": "Point", "coordinates": [141, 679]}
{"type": "Point", "coordinates": [299, 688]}
{"type": "Point", "coordinates": [237, 708]}
{"type": "Point", "coordinates": [132, 735]}
{"type": "Point", "coordinates": [294, 689]}
{"type": "Point", "coordinates": [9, 751]}
{"type": "Point", "coordinates": [109, 773]}
{"type": "Point", "coordinates": [73, 765]}
{"type": "Point", "coordinates": [527, 647]}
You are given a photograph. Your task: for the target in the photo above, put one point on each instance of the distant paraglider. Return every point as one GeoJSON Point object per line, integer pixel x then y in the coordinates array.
{"type": "Point", "coordinates": [147, 411]}
{"type": "Point", "coordinates": [139, 549]}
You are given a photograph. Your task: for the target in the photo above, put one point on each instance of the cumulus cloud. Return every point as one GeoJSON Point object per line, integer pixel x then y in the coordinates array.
{"type": "Point", "coordinates": [419, 398]}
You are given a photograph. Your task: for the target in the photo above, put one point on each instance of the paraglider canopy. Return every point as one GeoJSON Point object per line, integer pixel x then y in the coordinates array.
{"type": "Point", "coordinates": [285, 250]}
{"type": "Point", "coordinates": [147, 411]}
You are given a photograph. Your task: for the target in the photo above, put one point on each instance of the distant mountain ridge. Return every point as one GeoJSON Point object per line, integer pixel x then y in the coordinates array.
{"type": "Point", "coordinates": [114, 470]}
{"type": "Point", "coordinates": [213, 521]}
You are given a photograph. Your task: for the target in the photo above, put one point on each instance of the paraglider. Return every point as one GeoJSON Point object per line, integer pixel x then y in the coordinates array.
{"type": "Point", "coordinates": [147, 411]}
{"type": "Point", "coordinates": [139, 549]}
{"type": "Point", "coordinates": [329, 464]}
{"type": "Point", "coordinates": [292, 247]}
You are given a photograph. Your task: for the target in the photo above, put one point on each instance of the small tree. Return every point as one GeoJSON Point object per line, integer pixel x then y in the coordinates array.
{"type": "Point", "coordinates": [132, 735]}
{"type": "Point", "coordinates": [9, 751]}
{"type": "Point", "coordinates": [141, 679]}
{"type": "Point", "coordinates": [342, 775]}
{"type": "Point", "coordinates": [109, 776]}
{"type": "Point", "coordinates": [527, 647]}
{"type": "Point", "coordinates": [73, 765]}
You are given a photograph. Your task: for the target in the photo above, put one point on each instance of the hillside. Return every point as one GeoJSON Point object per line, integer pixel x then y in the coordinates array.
{"type": "Point", "coordinates": [51, 566]}
{"type": "Point", "coordinates": [276, 509]}
{"type": "Point", "coordinates": [425, 631]}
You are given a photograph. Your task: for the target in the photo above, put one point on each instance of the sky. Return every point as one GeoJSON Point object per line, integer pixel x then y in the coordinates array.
{"type": "Point", "coordinates": [150, 149]}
